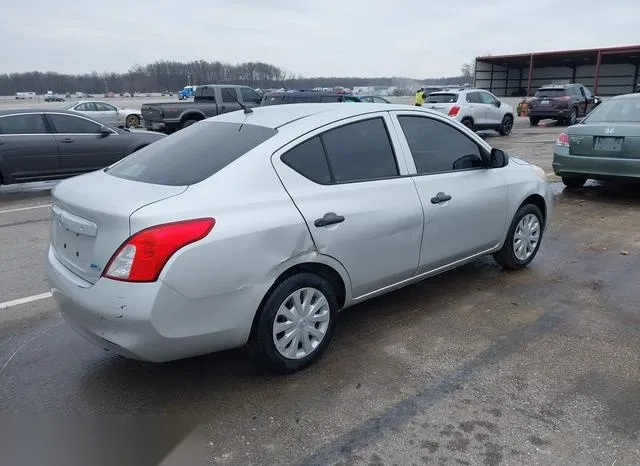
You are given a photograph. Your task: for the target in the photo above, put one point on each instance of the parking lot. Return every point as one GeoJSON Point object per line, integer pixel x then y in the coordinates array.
{"type": "Point", "coordinates": [476, 366]}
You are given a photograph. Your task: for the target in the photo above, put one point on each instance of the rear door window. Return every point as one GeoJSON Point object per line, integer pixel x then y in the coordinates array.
{"type": "Point", "coordinates": [229, 94]}
{"type": "Point", "coordinates": [309, 160]}
{"type": "Point", "coordinates": [360, 151]}
{"type": "Point", "coordinates": [32, 123]}
{"type": "Point", "coordinates": [192, 154]}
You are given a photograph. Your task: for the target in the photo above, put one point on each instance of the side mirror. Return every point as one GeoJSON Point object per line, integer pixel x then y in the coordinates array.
{"type": "Point", "coordinates": [497, 159]}
{"type": "Point", "coordinates": [498, 103]}
{"type": "Point", "coordinates": [104, 131]}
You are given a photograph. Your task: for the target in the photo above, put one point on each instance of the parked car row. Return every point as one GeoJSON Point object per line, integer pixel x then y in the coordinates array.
{"type": "Point", "coordinates": [294, 213]}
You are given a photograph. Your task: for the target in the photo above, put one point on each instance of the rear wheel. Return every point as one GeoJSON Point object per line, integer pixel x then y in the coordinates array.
{"type": "Point", "coordinates": [295, 324]}
{"type": "Point", "coordinates": [573, 117]}
{"type": "Point", "coordinates": [188, 123]}
{"type": "Point", "coordinates": [506, 126]}
{"type": "Point", "coordinates": [533, 121]}
{"type": "Point", "coordinates": [574, 181]}
{"type": "Point", "coordinates": [523, 239]}
{"type": "Point", "coordinates": [468, 122]}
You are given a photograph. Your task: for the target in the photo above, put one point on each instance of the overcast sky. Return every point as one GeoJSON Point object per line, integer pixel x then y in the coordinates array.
{"type": "Point", "coordinates": [413, 38]}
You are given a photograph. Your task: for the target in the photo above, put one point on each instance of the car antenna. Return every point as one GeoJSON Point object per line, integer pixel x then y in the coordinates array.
{"type": "Point", "coordinates": [244, 107]}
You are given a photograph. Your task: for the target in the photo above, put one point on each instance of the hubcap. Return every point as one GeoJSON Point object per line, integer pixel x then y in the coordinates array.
{"type": "Point", "coordinates": [526, 237]}
{"type": "Point", "coordinates": [132, 121]}
{"type": "Point", "coordinates": [301, 323]}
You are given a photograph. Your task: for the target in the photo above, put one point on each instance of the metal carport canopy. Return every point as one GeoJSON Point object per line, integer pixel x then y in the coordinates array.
{"type": "Point", "coordinates": [570, 58]}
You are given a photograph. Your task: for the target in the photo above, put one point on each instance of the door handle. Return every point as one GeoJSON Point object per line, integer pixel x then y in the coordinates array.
{"type": "Point", "coordinates": [440, 197]}
{"type": "Point", "coordinates": [66, 140]}
{"type": "Point", "coordinates": [330, 218]}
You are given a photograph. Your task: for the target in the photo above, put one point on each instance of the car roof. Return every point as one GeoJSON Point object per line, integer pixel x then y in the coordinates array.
{"type": "Point", "coordinates": [17, 111]}
{"type": "Point", "coordinates": [276, 116]}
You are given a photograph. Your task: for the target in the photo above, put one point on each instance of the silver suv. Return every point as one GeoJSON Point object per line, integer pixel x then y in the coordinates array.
{"type": "Point", "coordinates": [477, 109]}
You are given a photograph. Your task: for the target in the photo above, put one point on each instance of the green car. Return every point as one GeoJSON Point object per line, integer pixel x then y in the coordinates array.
{"type": "Point", "coordinates": [604, 145]}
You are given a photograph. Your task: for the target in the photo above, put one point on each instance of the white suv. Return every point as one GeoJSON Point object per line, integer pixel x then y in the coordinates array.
{"type": "Point", "coordinates": [475, 108]}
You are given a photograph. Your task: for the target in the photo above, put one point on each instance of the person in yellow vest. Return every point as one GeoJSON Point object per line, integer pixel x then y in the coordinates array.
{"type": "Point", "coordinates": [420, 96]}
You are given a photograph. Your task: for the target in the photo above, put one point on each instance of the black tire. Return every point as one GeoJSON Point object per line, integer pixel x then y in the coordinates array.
{"type": "Point", "coordinates": [574, 181]}
{"type": "Point", "coordinates": [533, 121]}
{"type": "Point", "coordinates": [261, 342]}
{"type": "Point", "coordinates": [468, 122]}
{"type": "Point", "coordinates": [188, 123]}
{"type": "Point", "coordinates": [132, 120]}
{"type": "Point", "coordinates": [506, 255]}
{"type": "Point", "coordinates": [506, 126]}
{"type": "Point", "coordinates": [573, 117]}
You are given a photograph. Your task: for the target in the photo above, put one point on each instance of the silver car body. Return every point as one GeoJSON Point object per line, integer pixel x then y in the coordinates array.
{"type": "Point", "coordinates": [104, 112]}
{"type": "Point", "coordinates": [208, 293]}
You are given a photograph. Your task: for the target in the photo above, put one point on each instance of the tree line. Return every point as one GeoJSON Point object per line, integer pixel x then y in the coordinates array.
{"type": "Point", "coordinates": [164, 75]}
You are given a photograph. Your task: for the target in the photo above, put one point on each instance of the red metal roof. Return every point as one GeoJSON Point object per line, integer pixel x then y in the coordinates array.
{"type": "Point", "coordinates": [605, 50]}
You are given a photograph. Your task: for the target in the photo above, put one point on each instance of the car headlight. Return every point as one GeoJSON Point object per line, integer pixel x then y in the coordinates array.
{"type": "Point", "coordinates": [540, 172]}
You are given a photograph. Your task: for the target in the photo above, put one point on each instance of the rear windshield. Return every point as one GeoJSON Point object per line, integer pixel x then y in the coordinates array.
{"type": "Point", "coordinates": [442, 98]}
{"type": "Point", "coordinates": [616, 111]}
{"type": "Point", "coordinates": [550, 93]}
{"type": "Point", "coordinates": [192, 154]}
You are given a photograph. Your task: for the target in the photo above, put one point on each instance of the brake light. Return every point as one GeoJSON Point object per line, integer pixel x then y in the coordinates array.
{"type": "Point", "coordinates": [563, 140]}
{"type": "Point", "coordinates": [453, 111]}
{"type": "Point", "coordinates": [143, 256]}
{"type": "Point", "coordinates": [564, 98]}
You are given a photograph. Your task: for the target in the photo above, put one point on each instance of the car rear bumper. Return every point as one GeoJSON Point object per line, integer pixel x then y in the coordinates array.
{"type": "Point", "coordinates": [145, 321]}
{"type": "Point", "coordinates": [549, 114]}
{"type": "Point", "coordinates": [595, 167]}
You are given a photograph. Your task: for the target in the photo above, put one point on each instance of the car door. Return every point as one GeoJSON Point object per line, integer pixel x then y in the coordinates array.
{"type": "Point", "coordinates": [350, 185]}
{"type": "Point", "coordinates": [465, 204]}
{"type": "Point", "coordinates": [492, 108]}
{"type": "Point", "coordinates": [28, 150]}
{"type": "Point", "coordinates": [106, 113]}
{"type": "Point", "coordinates": [81, 145]}
{"type": "Point", "coordinates": [477, 109]}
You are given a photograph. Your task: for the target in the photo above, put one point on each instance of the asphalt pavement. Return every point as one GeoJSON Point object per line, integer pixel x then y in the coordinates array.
{"type": "Point", "coordinates": [476, 366]}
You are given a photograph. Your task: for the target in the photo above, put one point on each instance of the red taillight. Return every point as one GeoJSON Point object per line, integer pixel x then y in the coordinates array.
{"type": "Point", "coordinates": [143, 256]}
{"type": "Point", "coordinates": [564, 98]}
{"type": "Point", "coordinates": [453, 111]}
{"type": "Point", "coordinates": [563, 140]}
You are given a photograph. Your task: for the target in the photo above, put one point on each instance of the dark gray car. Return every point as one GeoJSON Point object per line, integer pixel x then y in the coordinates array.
{"type": "Point", "coordinates": [38, 145]}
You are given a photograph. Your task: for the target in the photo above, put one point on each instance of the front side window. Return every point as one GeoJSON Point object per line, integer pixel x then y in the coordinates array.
{"type": "Point", "coordinates": [488, 98]}
{"type": "Point", "coordinates": [70, 124]}
{"type": "Point", "coordinates": [438, 147]}
{"type": "Point", "coordinates": [250, 96]}
{"type": "Point", "coordinates": [102, 107]}
{"type": "Point", "coordinates": [32, 123]}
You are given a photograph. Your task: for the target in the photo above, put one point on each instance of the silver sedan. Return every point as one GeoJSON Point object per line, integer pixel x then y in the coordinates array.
{"type": "Point", "coordinates": [108, 113]}
{"type": "Point", "coordinates": [256, 228]}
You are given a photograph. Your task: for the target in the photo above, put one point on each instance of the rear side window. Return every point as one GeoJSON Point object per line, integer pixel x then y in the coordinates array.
{"type": "Point", "coordinates": [23, 124]}
{"type": "Point", "coordinates": [229, 94]}
{"type": "Point", "coordinates": [360, 151]}
{"type": "Point", "coordinates": [442, 98]}
{"type": "Point", "coordinates": [192, 154]}
{"type": "Point", "coordinates": [309, 160]}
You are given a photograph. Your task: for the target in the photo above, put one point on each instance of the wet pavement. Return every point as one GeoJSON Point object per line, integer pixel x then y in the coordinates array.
{"type": "Point", "coordinates": [476, 366]}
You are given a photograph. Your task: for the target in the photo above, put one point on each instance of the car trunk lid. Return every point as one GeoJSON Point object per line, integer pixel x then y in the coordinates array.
{"type": "Point", "coordinates": [90, 218]}
{"type": "Point", "coordinates": [606, 140]}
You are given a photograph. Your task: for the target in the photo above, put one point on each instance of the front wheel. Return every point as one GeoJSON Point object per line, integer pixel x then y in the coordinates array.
{"type": "Point", "coordinates": [506, 126]}
{"type": "Point", "coordinates": [295, 324]}
{"type": "Point", "coordinates": [523, 239]}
